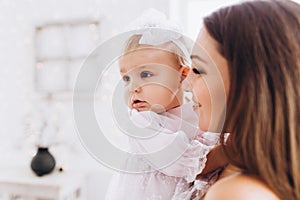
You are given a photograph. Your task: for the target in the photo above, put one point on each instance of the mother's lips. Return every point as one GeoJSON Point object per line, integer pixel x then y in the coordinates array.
{"type": "Point", "coordinates": [196, 106]}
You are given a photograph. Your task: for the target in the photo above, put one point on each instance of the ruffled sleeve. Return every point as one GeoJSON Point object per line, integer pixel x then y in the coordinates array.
{"type": "Point", "coordinates": [193, 160]}
{"type": "Point", "coordinates": [187, 153]}
{"type": "Point", "coordinates": [154, 121]}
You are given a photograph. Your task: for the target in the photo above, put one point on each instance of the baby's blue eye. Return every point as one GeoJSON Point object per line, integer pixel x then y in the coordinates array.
{"type": "Point", "coordinates": [198, 71]}
{"type": "Point", "coordinates": [126, 78]}
{"type": "Point", "coordinates": [146, 74]}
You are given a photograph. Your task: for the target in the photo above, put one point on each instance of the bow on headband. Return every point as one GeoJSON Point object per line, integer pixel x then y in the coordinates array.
{"type": "Point", "coordinates": [156, 29]}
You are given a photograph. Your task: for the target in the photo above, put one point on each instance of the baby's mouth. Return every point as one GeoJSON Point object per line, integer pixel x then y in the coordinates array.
{"type": "Point", "coordinates": [138, 104]}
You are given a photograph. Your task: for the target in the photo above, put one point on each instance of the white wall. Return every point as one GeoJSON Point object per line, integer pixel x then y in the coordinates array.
{"type": "Point", "coordinates": [189, 13]}
{"type": "Point", "coordinates": [17, 21]}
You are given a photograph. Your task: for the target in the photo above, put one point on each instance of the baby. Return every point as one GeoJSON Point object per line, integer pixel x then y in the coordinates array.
{"type": "Point", "coordinates": [153, 67]}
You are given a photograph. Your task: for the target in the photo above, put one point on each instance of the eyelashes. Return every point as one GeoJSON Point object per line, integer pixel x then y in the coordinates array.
{"type": "Point", "coordinates": [146, 74]}
{"type": "Point", "coordinates": [143, 75]}
{"type": "Point", "coordinates": [198, 71]}
{"type": "Point", "coordinates": [126, 78]}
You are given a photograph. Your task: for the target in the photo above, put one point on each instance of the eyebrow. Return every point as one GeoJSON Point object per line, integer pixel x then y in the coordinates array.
{"type": "Point", "coordinates": [195, 57]}
{"type": "Point", "coordinates": [140, 67]}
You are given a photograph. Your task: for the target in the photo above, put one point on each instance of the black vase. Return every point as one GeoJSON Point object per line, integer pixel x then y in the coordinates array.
{"type": "Point", "coordinates": [43, 162]}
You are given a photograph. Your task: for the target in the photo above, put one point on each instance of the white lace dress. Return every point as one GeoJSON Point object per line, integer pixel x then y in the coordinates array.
{"type": "Point", "coordinates": [178, 180]}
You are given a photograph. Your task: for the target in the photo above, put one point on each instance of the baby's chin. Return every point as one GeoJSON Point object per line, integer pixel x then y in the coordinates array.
{"type": "Point", "coordinates": [154, 108]}
{"type": "Point", "coordinates": [157, 108]}
{"type": "Point", "coordinates": [142, 109]}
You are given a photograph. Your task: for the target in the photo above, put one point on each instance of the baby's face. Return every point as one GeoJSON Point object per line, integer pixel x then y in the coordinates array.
{"type": "Point", "coordinates": [152, 80]}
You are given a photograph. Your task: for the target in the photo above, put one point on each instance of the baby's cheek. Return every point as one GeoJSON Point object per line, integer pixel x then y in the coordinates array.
{"type": "Point", "coordinates": [158, 95]}
{"type": "Point", "coordinates": [169, 81]}
{"type": "Point", "coordinates": [126, 98]}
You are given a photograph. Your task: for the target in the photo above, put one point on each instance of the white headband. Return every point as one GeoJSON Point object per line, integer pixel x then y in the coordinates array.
{"type": "Point", "coordinates": [156, 29]}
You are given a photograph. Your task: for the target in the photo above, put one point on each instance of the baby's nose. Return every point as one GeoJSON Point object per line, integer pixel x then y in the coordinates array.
{"type": "Point", "coordinates": [135, 87]}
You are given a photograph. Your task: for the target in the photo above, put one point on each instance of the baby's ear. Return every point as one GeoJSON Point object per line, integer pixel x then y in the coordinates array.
{"type": "Point", "coordinates": [184, 70]}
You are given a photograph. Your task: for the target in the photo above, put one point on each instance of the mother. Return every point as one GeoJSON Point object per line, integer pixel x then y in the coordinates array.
{"type": "Point", "coordinates": [255, 47]}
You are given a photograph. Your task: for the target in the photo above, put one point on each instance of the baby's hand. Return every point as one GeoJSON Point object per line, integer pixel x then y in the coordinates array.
{"type": "Point", "coordinates": [187, 99]}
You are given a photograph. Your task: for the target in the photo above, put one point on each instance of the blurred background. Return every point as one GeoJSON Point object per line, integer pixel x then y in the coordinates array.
{"type": "Point", "coordinates": [43, 44]}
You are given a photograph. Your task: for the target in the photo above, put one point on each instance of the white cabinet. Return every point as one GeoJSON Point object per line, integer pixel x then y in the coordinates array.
{"type": "Point", "coordinates": [20, 183]}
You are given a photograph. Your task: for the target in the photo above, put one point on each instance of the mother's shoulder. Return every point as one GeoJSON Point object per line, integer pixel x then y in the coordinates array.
{"type": "Point", "coordinates": [238, 187]}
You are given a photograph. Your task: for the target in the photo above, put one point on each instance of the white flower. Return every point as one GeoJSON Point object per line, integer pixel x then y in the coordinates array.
{"type": "Point", "coordinates": [44, 124]}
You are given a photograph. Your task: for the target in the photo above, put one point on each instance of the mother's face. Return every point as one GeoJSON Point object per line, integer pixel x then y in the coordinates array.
{"type": "Point", "coordinates": [209, 82]}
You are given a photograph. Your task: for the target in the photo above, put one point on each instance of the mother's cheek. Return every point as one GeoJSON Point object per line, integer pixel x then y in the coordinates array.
{"type": "Point", "coordinates": [217, 108]}
{"type": "Point", "coordinates": [204, 118]}
{"type": "Point", "coordinates": [204, 112]}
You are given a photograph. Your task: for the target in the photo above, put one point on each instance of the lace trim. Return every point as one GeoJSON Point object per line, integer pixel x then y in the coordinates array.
{"type": "Point", "coordinates": [196, 189]}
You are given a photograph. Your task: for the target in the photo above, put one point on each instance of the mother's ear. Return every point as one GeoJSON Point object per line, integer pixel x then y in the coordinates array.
{"type": "Point", "coordinates": [184, 70]}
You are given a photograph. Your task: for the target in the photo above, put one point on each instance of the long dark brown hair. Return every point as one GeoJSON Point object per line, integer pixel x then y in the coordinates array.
{"type": "Point", "coordinates": [261, 42]}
